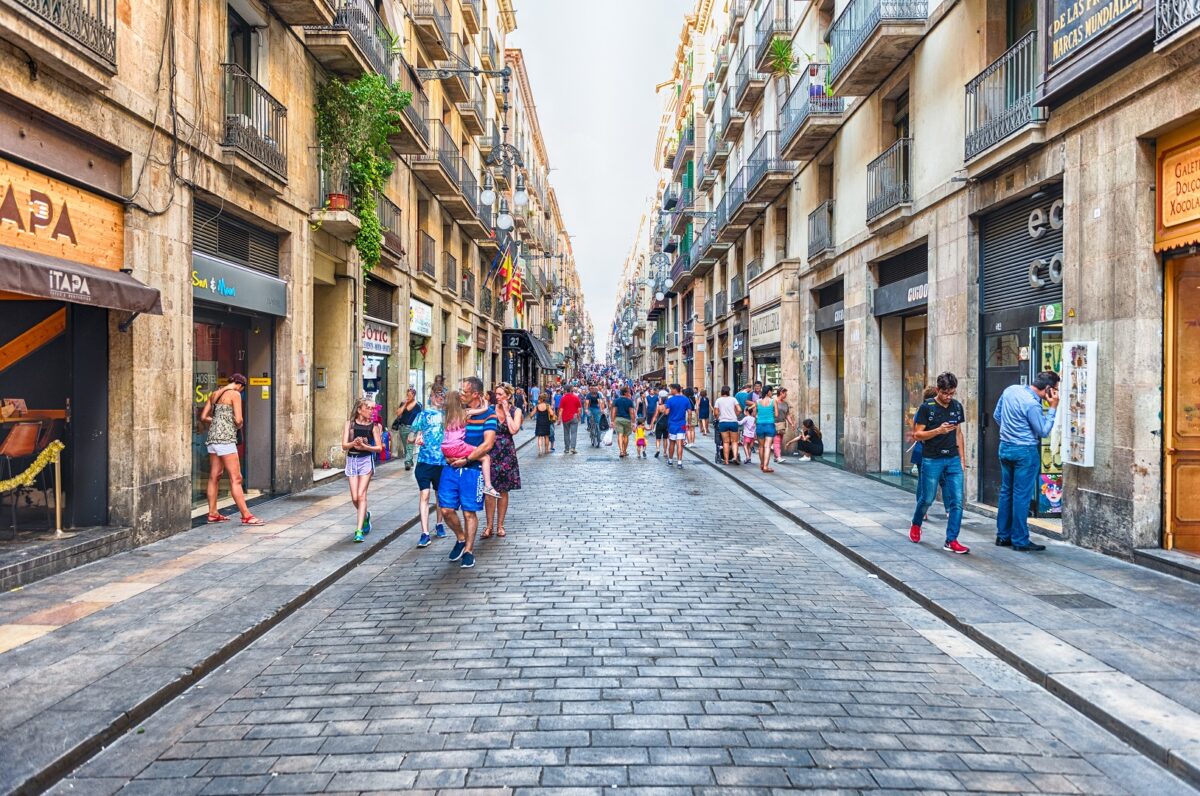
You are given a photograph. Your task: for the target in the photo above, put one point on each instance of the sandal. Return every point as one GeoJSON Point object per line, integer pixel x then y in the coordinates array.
{"type": "Point", "coordinates": [215, 518]}
{"type": "Point", "coordinates": [500, 531]}
{"type": "Point", "coordinates": [487, 533]}
{"type": "Point", "coordinates": [768, 469]}
{"type": "Point", "coordinates": [250, 519]}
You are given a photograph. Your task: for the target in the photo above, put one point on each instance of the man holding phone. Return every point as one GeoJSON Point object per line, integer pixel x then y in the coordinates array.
{"type": "Point", "coordinates": [938, 426]}
{"type": "Point", "coordinates": [1022, 427]}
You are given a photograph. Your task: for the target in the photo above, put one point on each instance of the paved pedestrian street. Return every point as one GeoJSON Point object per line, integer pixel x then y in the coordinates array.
{"type": "Point", "coordinates": [641, 629]}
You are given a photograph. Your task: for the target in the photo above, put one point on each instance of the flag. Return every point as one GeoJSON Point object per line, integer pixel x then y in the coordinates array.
{"type": "Point", "coordinates": [497, 261]}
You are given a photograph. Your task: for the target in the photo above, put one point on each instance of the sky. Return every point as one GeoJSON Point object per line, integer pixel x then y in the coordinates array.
{"type": "Point", "coordinates": [593, 66]}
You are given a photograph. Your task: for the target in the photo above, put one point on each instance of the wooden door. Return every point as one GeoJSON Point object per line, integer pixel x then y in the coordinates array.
{"type": "Point", "coordinates": [1182, 396]}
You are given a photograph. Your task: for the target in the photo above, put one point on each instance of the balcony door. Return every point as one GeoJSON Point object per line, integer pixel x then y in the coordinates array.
{"type": "Point", "coordinates": [241, 42]}
{"type": "Point", "coordinates": [1022, 20]}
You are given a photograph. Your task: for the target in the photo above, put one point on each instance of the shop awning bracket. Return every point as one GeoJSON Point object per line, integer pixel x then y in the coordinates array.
{"type": "Point", "coordinates": [125, 325]}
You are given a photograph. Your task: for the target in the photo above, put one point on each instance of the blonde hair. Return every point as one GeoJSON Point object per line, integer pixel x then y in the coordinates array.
{"type": "Point", "coordinates": [508, 388]}
{"type": "Point", "coordinates": [455, 412]}
{"type": "Point", "coordinates": [360, 403]}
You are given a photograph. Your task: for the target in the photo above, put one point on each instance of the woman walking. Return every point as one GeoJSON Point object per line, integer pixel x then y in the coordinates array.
{"type": "Point", "coordinates": [223, 413]}
{"type": "Point", "coordinates": [764, 423]}
{"type": "Point", "coordinates": [406, 417]}
{"type": "Point", "coordinates": [703, 411]}
{"type": "Point", "coordinates": [506, 471]}
{"type": "Point", "coordinates": [782, 421]}
{"type": "Point", "coordinates": [361, 440]}
{"type": "Point", "coordinates": [544, 424]}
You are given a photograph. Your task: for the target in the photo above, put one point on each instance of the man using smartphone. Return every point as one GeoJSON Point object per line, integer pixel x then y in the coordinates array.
{"type": "Point", "coordinates": [938, 426]}
{"type": "Point", "coordinates": [1022, 427]}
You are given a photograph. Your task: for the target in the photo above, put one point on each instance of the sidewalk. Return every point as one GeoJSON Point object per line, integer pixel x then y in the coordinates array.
{"type": "Point", "coordinates": [1117, 641]}
{"type": "Point", "coordinates": [89, 653]}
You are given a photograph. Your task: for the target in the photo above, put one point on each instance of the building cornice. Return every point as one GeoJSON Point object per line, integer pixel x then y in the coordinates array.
{"type": "Point", "coordinates": [515, 58]}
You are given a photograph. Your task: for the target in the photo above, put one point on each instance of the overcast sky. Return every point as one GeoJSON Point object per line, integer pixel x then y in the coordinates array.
{"type": "Point", "coordinates": [593, 67]}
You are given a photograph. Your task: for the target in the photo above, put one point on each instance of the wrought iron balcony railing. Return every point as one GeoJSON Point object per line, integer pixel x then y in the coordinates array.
{"type": "Point", "coordinates": [754, 268]}
{"type": "Point", "coordinates": [439, 12]}
{"type": "Point", "coordinates": [736, 192]}
{"type": "Point", "coordinates": [710, 93]}
{"type": "Point", "coordinates": [1172, 16]}
{"type": "Point", "coordinates": [449, 271]}
{"type": "Point", "coordinates": [362, 22]}
{"type": "Point", "coordinates": [468, 287]}
{"type": "Point", "coordinates": [721, 214]}
{"type": "Point", "coordinates": [417, 111]}
{"type": "Point", "coordinates": [427, 254]}
{"type": "Point", "coordinates": [708, 312]}
{"type": "Point", "coordinates": [859, 19]}
{"type": "Point", "coordinates": [737, 291]}
{"type": "Point", "coordinates": [331, 181]}
{"type": "Point", "coordinates": [92, 23]}
{"type": "Point", "coordinates": [765, 158]}
{"type": "Point", "coordinates": [445, 151]}
{"type": "Point", "coordinates": [773, 22]}
{"type": "Point", "coordinates": [488, 50]}
{"type": "Point", "coordinates": [390, 220]}
{"type": "Point", "coordinates": [820, 228]}
{"type": "Point", "coordinates": [1000, 98]}
{"type": "Point", "coordinates": [681, 265]}
{"type": "Point", "coordinates": [808, 98]}
{"type": "Point", "coordinates": [888, 182]}
{"type": "Point", "coordinates": [255, 122]}
{"type": "Point", "coordinates": [721, 304]}
{"type": "Point", "coordinates": [485, 300]}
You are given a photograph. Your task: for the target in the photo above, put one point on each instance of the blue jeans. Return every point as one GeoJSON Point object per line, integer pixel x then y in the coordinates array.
{"type": "Point", "coordinates": [594, 426]}
{"type": "Point", "coordinates": [946, 472]}
{"type": "Point", "coordinates": [1019, 468]}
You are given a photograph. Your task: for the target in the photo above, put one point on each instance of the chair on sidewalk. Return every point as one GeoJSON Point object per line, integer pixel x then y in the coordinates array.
{"type": "Point", "coordinates": [24, 441]}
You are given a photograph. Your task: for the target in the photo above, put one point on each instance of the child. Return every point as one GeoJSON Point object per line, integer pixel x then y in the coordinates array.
{"type": "Point", "coordinates": [640, 437]}
{"type": "Point", "coordinates": [362, 438]}
{"type": "Point", "coordinates": [749, 432]}
{"type": "Point", "coordinates": [454, 444]}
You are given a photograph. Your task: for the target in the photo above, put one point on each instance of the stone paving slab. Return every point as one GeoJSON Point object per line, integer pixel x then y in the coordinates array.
{"type": "Point", "coordinates": [85, 653]}
{"type": "Point", "coordinates": [1118, 641]}
{"type": "Point", "coordinates": [640, 630]}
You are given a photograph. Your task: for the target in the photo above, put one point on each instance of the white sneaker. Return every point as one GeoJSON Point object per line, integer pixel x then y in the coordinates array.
{"type": "Point", "coordinates": [806, 458]}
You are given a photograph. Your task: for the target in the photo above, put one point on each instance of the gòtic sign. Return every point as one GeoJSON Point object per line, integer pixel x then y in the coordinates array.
{"type": "Point", "coordinates": [1074, 24]}
{"type": "Point", "coordinates": [1178, 192]}
{"type": "Point", "coordinates": [376, 338]}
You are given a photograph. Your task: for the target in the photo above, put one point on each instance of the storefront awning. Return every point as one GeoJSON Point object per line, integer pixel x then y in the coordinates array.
{"type": "Point", "coordinates": [48, 277]}
{"type": "Point", "coordinates": [655, 375]}
{"type": "Point", "coordinates": [544, 360]}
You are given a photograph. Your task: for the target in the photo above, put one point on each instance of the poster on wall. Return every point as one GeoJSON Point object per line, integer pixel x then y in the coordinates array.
{"type": "Point", "coordinates": [1078, 400]}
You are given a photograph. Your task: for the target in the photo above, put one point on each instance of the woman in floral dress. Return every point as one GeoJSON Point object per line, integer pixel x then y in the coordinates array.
{"type": "Point", "coordinates": [506, 470]}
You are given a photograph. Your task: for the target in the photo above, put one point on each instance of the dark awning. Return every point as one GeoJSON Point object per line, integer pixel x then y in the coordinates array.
{"type": "Point", "coordinates": [44, 276]}
{"type": "Point", "coordinates": [545, 361]}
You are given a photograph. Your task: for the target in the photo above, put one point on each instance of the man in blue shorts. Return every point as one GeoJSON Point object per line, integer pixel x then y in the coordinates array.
{"type": "Point", "coordinates": [677, 407]}
{"type": "Point", "coordinates": [462, 479]}
{"type": "Point", "coordinates": [428, 428]}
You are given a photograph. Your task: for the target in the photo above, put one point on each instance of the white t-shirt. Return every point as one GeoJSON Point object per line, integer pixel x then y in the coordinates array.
{"type": "Point", "coordinates": [727, 409]}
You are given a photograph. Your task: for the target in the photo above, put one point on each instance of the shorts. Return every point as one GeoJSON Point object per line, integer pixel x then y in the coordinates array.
{"type": "Point", "coordinates": [766, 430]}
{"type": "Point", "coordinates": [641, 443]}
{"type": "Point", "coordinates": [623, 425]}
{"type": "Point", "coordinates": [461, 488]}
{"type": "Point", "coordinates": [660, 430]}
{"type": "Point", "coordinates": [222, 448]}
{"type": "Point", "coordinates": [728, 427]}
{"type": "Point", "coordinates": [747, 440]}
{"type": "Point", "coordinates": [360, 465]}
{"type": "Point", "coordinates": [677, 436]}
{"type": "Point", "coordinates": [428, 475]}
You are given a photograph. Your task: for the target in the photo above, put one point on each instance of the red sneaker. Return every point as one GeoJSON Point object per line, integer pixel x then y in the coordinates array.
{"type": "Point", "coordinates": [955, 547]}
{"type": "Point", "coordinates": [914, 533]}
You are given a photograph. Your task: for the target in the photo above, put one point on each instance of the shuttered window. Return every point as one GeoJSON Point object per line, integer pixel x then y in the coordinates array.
{"type": "Point", "coordinates": [831, 294]}
{"type": "Point", "coordinates": [219, 234]}
{"type": "Point", "coordinates": [1008, 250]}
{"type": "Point", "coordinates": [903, 265]}
{"type": "Point", "coordinates": [379, 301]}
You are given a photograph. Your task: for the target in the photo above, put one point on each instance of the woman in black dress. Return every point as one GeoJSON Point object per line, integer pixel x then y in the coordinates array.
{"type": "Point", "coordinates": [506, 471]}
{"type": "Point", "coordinates": [543, 415]}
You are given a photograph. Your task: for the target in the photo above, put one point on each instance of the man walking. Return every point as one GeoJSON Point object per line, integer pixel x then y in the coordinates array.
{"type": "Point", "coordinates": [676, 409]}
{"type": "Point", "coordinates": [938, 425]}
{"type": "Point", "coordinates": [594, 404]}
{"type": "Point", "coordinates": [462, 479]}
{"type": "Point", "coordinates": [622, 420]}
{"type": "Point", "coordinates": [406, 416]}
{"type": "Point", "coordinates": [568, 415]}
{"type": "Point", "coordinates": [1022, 427]}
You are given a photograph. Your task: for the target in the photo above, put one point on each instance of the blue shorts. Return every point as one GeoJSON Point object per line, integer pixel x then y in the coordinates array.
{"type": "Point", "coordinates": [766, 430]}
{"type": "Point", "coordinates": [461, 488]}
{"type": "Point", "coordinates": [728, 427]}
{"type": "Point", "coordinates": [428, 475]}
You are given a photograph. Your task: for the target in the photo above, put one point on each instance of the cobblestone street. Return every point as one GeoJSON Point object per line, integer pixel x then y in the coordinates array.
{"type": "Point", "coordinates": [639, 628]}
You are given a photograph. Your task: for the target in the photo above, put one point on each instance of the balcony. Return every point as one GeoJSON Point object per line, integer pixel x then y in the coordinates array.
{"type": "Point", "coordinates": [333, 207]}
{"type": "Point", "coordinates": [393, 229]}
{"type": "Point", "coordinates": [754, 269]}
{"type": "Point", "coordinates": [870, 39]}
{"type": "Point", "coordinates": [742, 211]}
{"type": "Point", "coordinates": [683, 211]}
{"type": "Point", "coordinates": [750, 83]}
{"type": "Point", "coordinates": [708, 312]}
{"type": "Point", "coordinates": [1174, 22]}
{"type": "Point", "coordinates": [889, 192]}
{"type": "Point", "coordinates": [472, 110]}
{"type": "Point", "coordinates": [427, 256]}
{"type": "Point", "coordinates": [89, 24]}
{"type": "Point", "coordinates": [706, 177]}
{"type": "Point", "coordinates": [773, 24]}
{"type": "Point", "coordinates": [720, 305]}
{"type": "Point", "coordinates": [292, 12]}
{"type": "Point", "coordinates": [680, 268]}
{"type": "Point", "coordinates": [439, 169]}
{"type": "Point", "coordinates": [721, 221]}
{"type": "Point", "coordinates": [1002, 122]}
{"type": "Point", "coordinates": [489, 53]}
{"type": "Point", "coordinates": [670, 197]}
{"type": "Point", "coordinates": [432, 21]}
{"type": "Point", "coordinates": [472, 14]}
{"type": "Point", "coordinates": [357, 42]}
{"type": "Point", "coordinates": [449, 272]}
{"type": "Point", "coordinates": [820, 234]}
{"type": "Point", "coordinates": [456, 87]}
{"type": "Point", "coordinates": [687, 146]}
{"type": "Point", "coordinates": [485, 237]}
{"type": "Point", "coordinates": [498, 310]}
{"type": "Point", "coordinates": [737, 292]}
{"type": "Point", "coordinates": [459, 204]}
{"type": "Point", "coordinates": [733, 121]}
{"type": "Point", "coordinates": [658, 339]}
{"type": "Point", "coordinates": [670, 244]}
{"type": "Point", "coordinates": [485, 300]}
{"type": "Point", "coordinates": [468, 287]}
{"type": "Point", "coordinates": [490, 140]}
{"type": "Point", "coordinates": [737, 16]}
{"type": "Point", "coordinates": [546, 333]}
{"type": "Point", "coordinates": [717, 151]}
{"type": "Point", "coordinates": [255, 136]}
{"type": "Point", "coordinates": [710, 95]}
{"type": "Point", "coordinates": [411, 133]}
{"type": "Point", "coordinates": [768, 174]}
{"type": "Point", "coordinates": [721, 67]}
{"type": "Point", "coordinates": [810, 118]}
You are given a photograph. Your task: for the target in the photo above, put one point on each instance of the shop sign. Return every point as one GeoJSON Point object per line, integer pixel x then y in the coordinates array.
{"type": "Point", "coordinates": [220, 282]}
{"type": "Point", "coordinates": [481, 339]}
{"type": "Point", "coordinates": [901, 296]}
{"type": "Point", "coordinates": [1078, 400]}
{"type": "Point", "coordinates": [764, 328]}
{"type": "Point", "coordinates": [1074, 24]}
{"type": "Point", "coordinates": [739, 343]}
{"type": "Point", "coordinates": [376, 338]}
{"type": "Point", "coordinates": [41, 214]}
{"type": "Point", "coordinates": [1050, 313]}
{"type": "Point", "coordinates": [1178, 189]}
{"type": "Point", "coordinates": [1046, 270]}
{"type": "Point", "coordinates": [259, 381]}
{"type": "Point", "coordinates": [831, 317]}
{"type": "Point", "coordinates": [420, 318]}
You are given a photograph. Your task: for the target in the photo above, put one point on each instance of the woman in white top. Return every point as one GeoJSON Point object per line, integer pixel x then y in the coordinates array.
{"type": "Point", "coordinates": [728, 412]}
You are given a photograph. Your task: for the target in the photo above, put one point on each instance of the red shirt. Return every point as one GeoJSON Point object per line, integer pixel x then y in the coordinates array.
{"type": "Point", "coordinates": [568, 407]}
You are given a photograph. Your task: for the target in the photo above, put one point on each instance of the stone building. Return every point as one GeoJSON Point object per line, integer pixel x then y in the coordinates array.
{"type": "Point", "coordinates": [166, 222]}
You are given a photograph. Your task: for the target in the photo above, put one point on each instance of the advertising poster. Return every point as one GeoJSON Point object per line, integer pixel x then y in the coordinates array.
{"type": "Point", "coordinates": [1078, 400]}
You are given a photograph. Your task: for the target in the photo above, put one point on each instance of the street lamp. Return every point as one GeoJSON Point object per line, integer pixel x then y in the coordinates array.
{"type": "Point", "coordinates": [520, 196]}
{"type": "Point", "coordinates": [504, 221]}
{"type": "Point", "coordinates": [488, 195]}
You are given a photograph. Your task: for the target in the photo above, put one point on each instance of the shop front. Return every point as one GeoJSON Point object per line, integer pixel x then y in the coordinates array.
{"type": "Point", "coordinates": [764, 345]}
{"type": "Point", "coordinates": [526, 360]}
{"type": "Point", "coordinates": [831, 339]}
{"type": "Point", "coordinates": [481, 347]}
{"type": "Point", "coordinates": [420, 331]}
{"type": "Point", "coordinates": [738, 356]}
{"type": "Point", "coordinates": [376, 361]}
{"type": "Point", "coordinates": [901, 303]}
{"type": "Point", "coordinates": [61, 260]}
{"type": "Point", "coordinates": [1021, 252]}
{"type": "Point", "coordinates": [233, 331]}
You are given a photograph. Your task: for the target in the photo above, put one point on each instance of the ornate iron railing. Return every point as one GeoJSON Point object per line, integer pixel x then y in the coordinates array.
{"type": "Point", "coordinates": [362, 22]}
{"type": "Point", "coordinates": [745, 73]}
{"type": "Point", "coordinates": [772, 23]}
{"type": "Point", "coordinates": [708, 312]}
{"type": "Point", "coordinates": [721, 214]}
{"type": "Point", "coordinates": [807, 99]}
{"type": "Point", "coordinates": [888, 182]}
{"type": "Point", "coordinates": [490, 139]}
{"type": "Point", "coordinates": [92, 23]}
{"type": "Point", "coordinates": [681, 265]}
{"type": "Point", "coordinates": [820, 228]}
{"type": "Point", "coordinates": [426, 253]}
{"type": "Point", "coordinates": [439, 12]}
{"type": "Point", "coordinates": [489, 50]}
{"type": "Point", "coordinates": [417, 111]}
{"type": "Point", "coordinates": [390, 220]}
{"type": "Point", "coordinates": [737, 290]}
{"type": "Point", "coordinates": [658, 339]}
{"type": "Point", "coordinates": [710, 93]}
{"type": "Point", "coordinates": [671, 197]}
{"type": "Point", "coordinates": [468, 286]}
{"type": "Point", "coordinates": [331, 180]}
{"type": "Point", "coordinates": [1172, 16]}
{"type": "Point", "coordinates": [449, 271]}
{"type": "Point", "coordinates": [729, 111]}
{"type": "Point", "coordinates": [485, 300]}
{"type": "Point", "coordinates": [1000, 98]}
{"type": "Point", "coordinates": [474, 101]}
{"type": "Point", "coordinates": [444, 151]}
{"type": "Point", "coordinates": [736, 192]}
{"type": "Point", "coordinates": [765, 158]}
{"type": "Point", "coordinates": [255, 122]}
{"type": "Point", "coordinates": [859, 19]}
{"type": "Point", "coordinates": [721, 304]}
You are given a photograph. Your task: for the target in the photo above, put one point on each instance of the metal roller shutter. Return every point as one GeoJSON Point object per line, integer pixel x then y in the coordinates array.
{"type": "Point", "coordinates": [903, 265]}
{"type": "Point", "coordinates": [219, 234]}
{"type": "Point", "coordinates": [378, 300]}
{"type": "Point", "coordinates": [1007, 249]}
